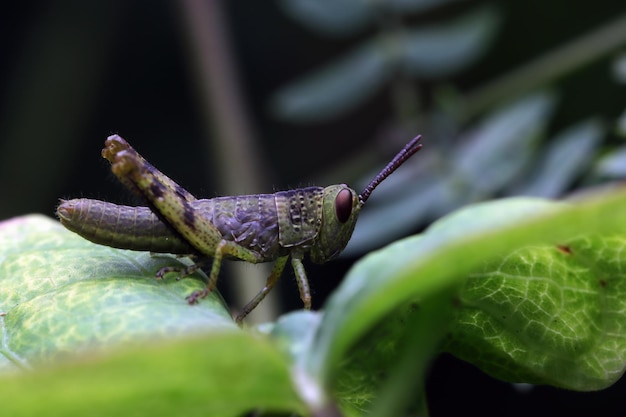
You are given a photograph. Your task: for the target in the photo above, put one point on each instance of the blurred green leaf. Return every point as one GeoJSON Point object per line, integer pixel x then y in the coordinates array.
{"type": "Point", "coordinates": [443, 49]}
{"type": "Point", "coordinates": [566, 157]}
{"type": "Point", "coordinates": [621, 124]}
{"type": "Point", "coordinates": [348, 81]}
{"type": "Point", "coordinates": [441, 179]}
{"type": "Point", "coordinates": [619, 68]}
{"type": "Point", "coordinates": [294, 331]}
{"type": "Point", "coordinates": [612, 165]}
{"type": "Point", "coordinates": [335, 17]}
{"type": "Point", "coordinates": [344, 17]}
{"type": "Point", "coordinates": [226, 373]}
{"type": "Point", "coordinates": [491, 155]}
{"type": "Point", "coordinates": [382, 221]}
{"type": "Point", "coordinates": [337, 88]}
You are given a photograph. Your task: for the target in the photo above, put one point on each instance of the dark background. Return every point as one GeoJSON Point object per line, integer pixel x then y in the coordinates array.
{"type": "Point", "coordinates": [74, 72]}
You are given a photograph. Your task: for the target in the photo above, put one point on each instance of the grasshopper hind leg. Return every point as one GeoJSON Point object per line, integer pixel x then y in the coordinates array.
{"type": "Point", "coordinates": [224, 247]}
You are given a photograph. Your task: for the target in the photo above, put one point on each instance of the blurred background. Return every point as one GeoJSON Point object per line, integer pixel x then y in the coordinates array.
{"type": "Point", "coordinates": [241, 97]}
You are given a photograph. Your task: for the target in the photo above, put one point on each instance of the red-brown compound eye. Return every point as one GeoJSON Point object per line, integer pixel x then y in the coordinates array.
{"type": "Point", "coordinates": [343, 205]}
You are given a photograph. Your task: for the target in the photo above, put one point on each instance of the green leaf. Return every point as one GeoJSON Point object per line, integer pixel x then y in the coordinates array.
{"type": "Point", "coordinates": [104, 337]}
{"type": "Point", "coordinates": [548, 314]}
{"type": "Point", "coordinates": [368, 317]}
{"type": "Point", "coordinates": [225, 373]}
{"type": "Point", "coordinates": [528, 289]}
{"type": "Point", "coordinates": [60, 295]}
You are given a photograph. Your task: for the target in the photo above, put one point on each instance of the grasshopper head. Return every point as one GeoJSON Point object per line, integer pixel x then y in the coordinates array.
{"type": "Point", "coordinates": [341, 206]}
{"type": "Point", "coordinates": [340, 209]}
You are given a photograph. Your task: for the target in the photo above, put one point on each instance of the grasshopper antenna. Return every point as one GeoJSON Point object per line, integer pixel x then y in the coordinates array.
{"type": "Point", "coordinates": [406, 152]}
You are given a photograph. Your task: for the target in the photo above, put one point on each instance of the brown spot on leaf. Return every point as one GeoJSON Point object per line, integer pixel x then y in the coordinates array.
{"type": "Point", "coordinates": [564, 249]}
{"type": "Point", "coordinates": [603, 283]}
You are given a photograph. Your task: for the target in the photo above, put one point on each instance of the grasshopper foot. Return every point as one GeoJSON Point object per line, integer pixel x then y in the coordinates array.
{"type": "Point", "coordinates": [180, 270]}
{"type": "Point", "coordinates": [195, 296]}
{"type": "Point", "coordinates": [167, 269]}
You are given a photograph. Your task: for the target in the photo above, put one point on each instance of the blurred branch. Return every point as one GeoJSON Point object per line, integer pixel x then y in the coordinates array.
{"type": "Point", "coordinates": [545, 69]}
{"type": "Point", "coordinates": [236, 156]}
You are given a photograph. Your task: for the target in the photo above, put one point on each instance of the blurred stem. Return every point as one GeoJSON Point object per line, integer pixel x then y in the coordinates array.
{"type": "Point", "coordinates": [235, 153]}
{"type": "Point", "coordinates": [547, 68]}
{"type": "Point", "coordinates": [404, 90]}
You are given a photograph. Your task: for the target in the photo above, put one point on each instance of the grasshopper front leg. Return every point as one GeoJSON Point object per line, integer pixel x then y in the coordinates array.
{"type": "Point", "coordinates": [172, 203]}
{"type": "Point", "coordinates": [277, 270]}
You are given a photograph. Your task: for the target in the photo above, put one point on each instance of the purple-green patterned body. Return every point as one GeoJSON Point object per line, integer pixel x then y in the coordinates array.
{"type": "Point", "coordinates": [252, 221]}
{"type": "Point", "coordinates": [252, 228]}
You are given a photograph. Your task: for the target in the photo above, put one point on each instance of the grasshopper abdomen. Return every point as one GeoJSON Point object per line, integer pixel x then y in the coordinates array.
{"type": "Point", "coordinates": [124, 227]}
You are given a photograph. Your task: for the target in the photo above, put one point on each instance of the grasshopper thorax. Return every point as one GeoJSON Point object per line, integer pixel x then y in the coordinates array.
{"type": "Point", "coordinates": [341, 206]}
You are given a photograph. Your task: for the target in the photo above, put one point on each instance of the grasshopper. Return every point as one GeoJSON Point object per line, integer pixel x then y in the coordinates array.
{"type": "Point", "coordinates": [252, 228]}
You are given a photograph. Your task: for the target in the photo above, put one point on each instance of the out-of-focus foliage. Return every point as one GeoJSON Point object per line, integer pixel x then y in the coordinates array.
{"type": "Point", "coordinates": [344, 17]}
{"type": "Point", "coordinates": [612, 165]}
{"type": "Point", "coordinates": [509, 149]}
{"type": "Point", "coordinates": [424, 52]}
{"type": "Point", "coordinates": [619, 71]}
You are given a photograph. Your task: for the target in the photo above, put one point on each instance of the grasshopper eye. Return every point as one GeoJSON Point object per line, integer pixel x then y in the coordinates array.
{"type": "Point", "coordinates": [343, 205]}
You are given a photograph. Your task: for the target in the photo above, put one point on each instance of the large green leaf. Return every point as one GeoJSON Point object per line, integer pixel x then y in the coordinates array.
{"type": "Point", "coordinates": [61, 294]}
{"type": "Point", "coordinates": [520, 314]}
{"type": "Point", "coordinates": [105, 337]}
{"type": "Point", "coordinates": [223, 373]}
{"type": "Point", "coordinates": [548, 314]}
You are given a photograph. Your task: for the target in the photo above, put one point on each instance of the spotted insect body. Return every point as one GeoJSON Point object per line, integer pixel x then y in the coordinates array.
{"type": "Point", "coordinates": [252, 228]}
